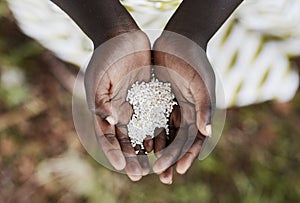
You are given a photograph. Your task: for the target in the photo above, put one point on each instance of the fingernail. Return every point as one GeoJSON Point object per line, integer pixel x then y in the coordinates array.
{"type": "Point", "coordinates": [168, 182]}
{"type": "Point", "coordinates": [166, 179]}
{"type": "Point", "coordinates": [111, 120]}
{"type": "Point", "coordinates": [208, 130]}
{"type": "Point", "coordinates": [135, 177]}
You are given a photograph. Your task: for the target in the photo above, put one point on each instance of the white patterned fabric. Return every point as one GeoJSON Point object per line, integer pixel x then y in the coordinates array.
{"type": "Point", "coordinates": [46, 23]}
{"type": "Point", "coordinates": [251, 51]}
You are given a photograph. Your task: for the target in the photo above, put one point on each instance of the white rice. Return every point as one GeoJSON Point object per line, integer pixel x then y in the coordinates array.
{"type": "Point", "coordinates": [152, 104]}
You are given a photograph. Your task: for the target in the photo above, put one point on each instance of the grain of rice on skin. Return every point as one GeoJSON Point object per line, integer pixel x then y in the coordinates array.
{"type": "Point", "coordinates": [152, 104]}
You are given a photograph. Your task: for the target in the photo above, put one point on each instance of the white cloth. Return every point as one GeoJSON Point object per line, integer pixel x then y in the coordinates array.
{"type": "Point", "coordinates": [251, 51]}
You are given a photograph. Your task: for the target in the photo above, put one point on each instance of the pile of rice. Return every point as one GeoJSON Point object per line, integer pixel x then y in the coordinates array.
{"type": "Point", "coordinates": [152, 104]}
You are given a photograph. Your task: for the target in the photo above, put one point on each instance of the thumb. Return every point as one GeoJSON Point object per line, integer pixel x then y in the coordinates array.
{"type": "Point", "coordinates": [203, 120]}
{"type": "Point", "coordinates": [105, 110]}
{"type": "Point", "coordinates": [204, 113]}
{"type": "Point", "coordinates": [204, 105]}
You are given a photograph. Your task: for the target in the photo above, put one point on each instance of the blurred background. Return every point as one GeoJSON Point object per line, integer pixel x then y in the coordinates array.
{"type": "Point", "coordinates": [42, 160]}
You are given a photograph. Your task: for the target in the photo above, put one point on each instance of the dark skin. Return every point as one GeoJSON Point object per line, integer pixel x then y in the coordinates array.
{"type": "Point", "coordinates": [200, 20]}
{"type": "Point", "coordinates": [106, 89]}
{"type": "Point", "coordinates": [100, 20]}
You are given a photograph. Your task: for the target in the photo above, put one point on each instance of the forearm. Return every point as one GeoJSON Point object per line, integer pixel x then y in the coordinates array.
{"type": "Point", "coordinates": [200, 19]}
{"type": "Point", "coordinates": [99, 19]}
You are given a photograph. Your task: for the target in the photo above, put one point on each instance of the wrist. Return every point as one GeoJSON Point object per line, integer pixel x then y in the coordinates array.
{"type": "Point", "coordinates": [197, 37]}
{"type": "Point", "coordinates": [99, 20]}
{"type": "Point", "coordinates": [200, 20]}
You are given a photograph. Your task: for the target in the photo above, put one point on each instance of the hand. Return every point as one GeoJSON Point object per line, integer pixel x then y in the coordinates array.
{"type": "Point", "coordinates": [184, 64]}
{"type": "Point", "coordinates": [114, 67]}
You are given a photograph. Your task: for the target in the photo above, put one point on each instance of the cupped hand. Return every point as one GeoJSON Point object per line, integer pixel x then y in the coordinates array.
{"type": "Point", "coordinates": [114, 67]}
{"type": "Point", "coordinates": [184, 64]}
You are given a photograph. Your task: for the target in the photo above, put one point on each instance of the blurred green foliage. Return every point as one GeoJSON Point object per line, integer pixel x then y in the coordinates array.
{"type": "Point", "coordinates": [256, 160]}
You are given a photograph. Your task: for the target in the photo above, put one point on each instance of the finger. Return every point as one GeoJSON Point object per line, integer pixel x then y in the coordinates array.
{"type": "Point", "coordinates": [144, 162]}
{"type": "Point", "coordinates": [132, 168]}
{"type": "Point", "coordinates": [148, 144]}
{"type": "Point", "coordinates": [203, 107]}
{"type": "Point", "coordinates": [174, 124]}
{"type": "Point", "coordinates": [160, 141]}
{"type": "Point", "coordinates": [106, 137]}
{"type": "Point", "coordinates": [188, 158]}
{"type": "Point", "coordinates": [143, 159]}
{"type": "Point", "coordinates": [105, 110]}
{"type": "Point", "coordinates": [204, 104]}
{"type": "Point", "coordinates": [192, 134]}
{"type": "Point", "coordinates": [203, 121]}
{"type": "Point", "coordinates": [170, 154]}
{"type": "Point", "coordinates": [167, 176]}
